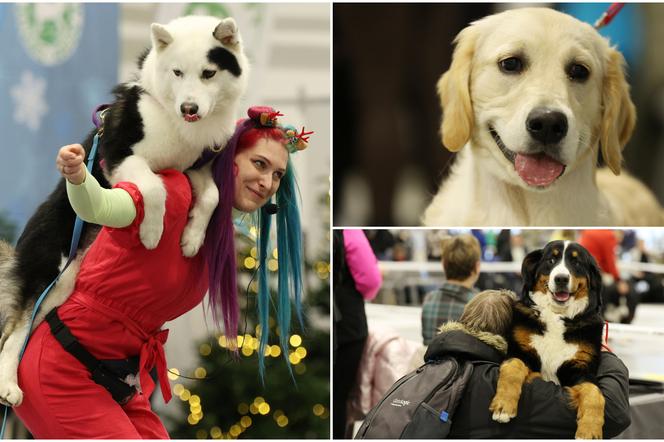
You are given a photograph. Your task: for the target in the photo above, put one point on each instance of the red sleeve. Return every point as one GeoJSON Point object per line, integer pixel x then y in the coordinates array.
{"type": "Point", "coordinates": [609, 251]}
{"type": "Point", "coordinates": [129, 236]}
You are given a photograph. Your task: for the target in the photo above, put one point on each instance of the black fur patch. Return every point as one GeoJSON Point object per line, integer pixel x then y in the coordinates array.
{"type": "Point", "coordinates": [124, 126]}
{"type": "Point", "coordinates": [223, 58]}
{"type": "Point", "coordinates": [142, 57]}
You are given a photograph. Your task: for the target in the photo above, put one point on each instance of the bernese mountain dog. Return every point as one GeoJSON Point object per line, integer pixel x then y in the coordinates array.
{"type": "Point", "coordinates": [556, 334]}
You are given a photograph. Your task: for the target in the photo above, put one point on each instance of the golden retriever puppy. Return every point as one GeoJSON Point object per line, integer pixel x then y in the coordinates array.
{"type": "Point", "coordinates": [531, 96]}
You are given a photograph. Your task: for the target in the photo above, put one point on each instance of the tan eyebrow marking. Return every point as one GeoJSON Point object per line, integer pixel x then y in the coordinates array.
{"type": "Point", "coordinates": [556, 252]}
{"type": "Point", "coordinates": [575, 253]}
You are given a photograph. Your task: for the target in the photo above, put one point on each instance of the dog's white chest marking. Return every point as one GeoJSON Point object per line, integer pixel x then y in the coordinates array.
{"type": "Point", "coordinates": [551, 347]}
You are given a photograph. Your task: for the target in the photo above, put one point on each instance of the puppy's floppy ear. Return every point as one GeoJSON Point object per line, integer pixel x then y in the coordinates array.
{"type": "Point", "coordinates": [528, 269]}
{"type": "Point", "coordinates": [595, 283]}
{"type": "Point", "coordinates": [160, 36]}
{"type": "Point", "coordinates": [618, 113]}
{"type": "Point", "coordinates": [454, 92]}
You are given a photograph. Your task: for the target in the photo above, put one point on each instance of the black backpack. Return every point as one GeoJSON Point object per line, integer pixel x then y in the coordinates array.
{"type": "Point", "coordinates": [421, 404]}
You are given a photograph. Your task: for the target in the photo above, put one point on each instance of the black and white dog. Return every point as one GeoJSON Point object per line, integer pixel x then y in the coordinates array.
{"type": "Point", "coordinates": [184, 100]}
{"type": "Point", "coordinates": [556, 334]}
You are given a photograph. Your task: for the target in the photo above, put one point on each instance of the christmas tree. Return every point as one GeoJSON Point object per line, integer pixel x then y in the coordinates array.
{"type": "Point", "coordinates": [229, 400]}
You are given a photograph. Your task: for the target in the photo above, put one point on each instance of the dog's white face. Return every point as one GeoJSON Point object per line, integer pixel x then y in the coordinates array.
{"type": "Point", "coordinates": [196, 66]}
{"type": "Point", "coordinates": [535, 91]}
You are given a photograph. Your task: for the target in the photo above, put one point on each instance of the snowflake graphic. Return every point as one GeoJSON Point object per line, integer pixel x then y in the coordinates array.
{"type": "Point", "coordinates": [29, 103]}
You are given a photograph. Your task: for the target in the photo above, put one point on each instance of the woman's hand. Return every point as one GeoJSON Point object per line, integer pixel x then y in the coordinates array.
{"type": "Point", "coordinates": [70, 163]}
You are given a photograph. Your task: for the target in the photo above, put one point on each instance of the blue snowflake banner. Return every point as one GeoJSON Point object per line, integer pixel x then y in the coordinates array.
{"type": "Point", "coordinates": [57, 62]}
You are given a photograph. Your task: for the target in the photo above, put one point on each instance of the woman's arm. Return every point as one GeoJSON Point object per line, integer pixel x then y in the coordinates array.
{"type": "Point", "coordinates": [613, 381]}
{"type": "Point", "coordinates": [549, 403]}
{"type": "Point", "coordinates": [90, 201]}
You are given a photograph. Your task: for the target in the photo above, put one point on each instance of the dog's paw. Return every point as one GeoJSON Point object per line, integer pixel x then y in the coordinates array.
{"type": "Point", "coordinates": [192, 240]}
{"type": "Point", "coordinates": [10, 394]}
{"type": "Point", "coordinates": [588, 432]}
{"type": "Point", "coordinates": [150, 233]}
{"type": "Point", "coordinates": [503, 409]}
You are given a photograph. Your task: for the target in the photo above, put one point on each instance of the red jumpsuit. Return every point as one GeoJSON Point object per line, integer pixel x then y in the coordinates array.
{"type": "Point", "coordinates": [123, 295]}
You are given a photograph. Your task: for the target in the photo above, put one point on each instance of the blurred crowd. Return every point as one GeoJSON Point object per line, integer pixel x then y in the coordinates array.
{"type": "Point", "coordinates": [625, 287]}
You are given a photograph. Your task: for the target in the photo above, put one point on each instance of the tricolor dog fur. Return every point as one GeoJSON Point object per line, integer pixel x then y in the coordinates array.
{"type": "Point", "coordinates": [556, 334]}
{"type": "Point", "coordinates": [531, 98]}
{"type": "Point", "coordinates": [183, 101]}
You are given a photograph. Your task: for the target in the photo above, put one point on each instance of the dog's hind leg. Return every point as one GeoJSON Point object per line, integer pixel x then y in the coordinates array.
{"type": "Point", "coordinates": [10, 394]}
{"type": "Point", "coordinates": [206, 198]}
{"type": "Point", "coordinates": [589, 403]}
{"type": "Point", "coordinates": [7, 330]}
{"type": "Point", "coordinates": [513, 374]}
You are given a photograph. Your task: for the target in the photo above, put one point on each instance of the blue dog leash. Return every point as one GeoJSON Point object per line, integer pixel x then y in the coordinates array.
{"type": "Point", "coordinates": [76, 236]}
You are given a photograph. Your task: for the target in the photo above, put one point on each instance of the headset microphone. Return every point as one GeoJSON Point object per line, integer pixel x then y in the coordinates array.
{"type": "Point", "coordinates": [271, 208]}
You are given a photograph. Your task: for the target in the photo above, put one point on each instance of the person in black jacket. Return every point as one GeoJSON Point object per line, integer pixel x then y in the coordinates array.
{"type": "Point", "coordinates": [543, 408]}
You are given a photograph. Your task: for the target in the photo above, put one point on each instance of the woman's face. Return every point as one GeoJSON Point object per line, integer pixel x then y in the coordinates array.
{"type": "Point", "coordinates": [258, 173]}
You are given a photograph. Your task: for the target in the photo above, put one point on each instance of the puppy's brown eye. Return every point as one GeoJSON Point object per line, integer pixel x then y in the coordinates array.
{"type": "Point", "coordinates": [578, 72]}
{"type": "Point", "coordinates": [177, 72]}
{"type": "Point", "coordinates": [511, 65]}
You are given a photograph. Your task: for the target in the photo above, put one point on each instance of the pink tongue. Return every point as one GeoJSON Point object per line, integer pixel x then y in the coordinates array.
{"type": "Point", "coordinates": [561, 296]}
{"type": "Point", "coordinates": [537, 170]}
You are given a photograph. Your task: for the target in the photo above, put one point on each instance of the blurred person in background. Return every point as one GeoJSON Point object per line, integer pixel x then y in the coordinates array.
{"type": "Point", "coordinates": [620, 300]}
{"type": "Point", "coordinates": [356, 279]}
{"type": "Point", "coordinates": [461, 262]}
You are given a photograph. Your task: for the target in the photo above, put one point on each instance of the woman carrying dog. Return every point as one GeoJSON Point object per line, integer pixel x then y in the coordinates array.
{"type": "Point", "coordinates": [479, 337]}
{"type": "Point", "coordinates": [99, 385]}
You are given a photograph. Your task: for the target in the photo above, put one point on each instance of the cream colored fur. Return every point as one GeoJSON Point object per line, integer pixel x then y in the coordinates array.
{"type": "Point", "coordinates": [484, 188]}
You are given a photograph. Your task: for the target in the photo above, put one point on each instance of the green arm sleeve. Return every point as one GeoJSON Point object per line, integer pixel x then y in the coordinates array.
{"type": "Point", "coordinates": [95, 204]}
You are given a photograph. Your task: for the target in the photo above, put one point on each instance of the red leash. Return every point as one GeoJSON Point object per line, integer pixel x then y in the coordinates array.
{"type": "Point", "coordinates": [610, 13]}
{"type": "Point", "coordinates": [606, 337]}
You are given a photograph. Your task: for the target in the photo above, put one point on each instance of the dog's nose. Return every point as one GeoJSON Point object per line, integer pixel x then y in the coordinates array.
{"type": "Point", "coordinates": [561, 280]}
{"type": "Point", "coordinates": [546, 126]}
{"type": "Point", "coordinates": [189, 108]}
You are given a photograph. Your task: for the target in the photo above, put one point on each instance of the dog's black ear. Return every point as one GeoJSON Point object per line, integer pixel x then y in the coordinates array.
{"type": "Point", "coordinates": [595, 283]}
{"type": "Point", "coordinates": [528, 269]}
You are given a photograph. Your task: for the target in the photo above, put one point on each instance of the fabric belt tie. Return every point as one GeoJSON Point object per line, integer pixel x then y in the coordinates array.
{"type": "Point", "coordinates": [152, 354]}
{"type": "Point", "coordinates": [152, 350]}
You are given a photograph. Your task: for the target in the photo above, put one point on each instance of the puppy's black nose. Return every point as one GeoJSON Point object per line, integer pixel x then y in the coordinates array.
{"type": "Point", "coordinates": [189, 108]}
{"type": "Point", "coordinates": [561, 280]}
{"type": "Point", "coordinates": [546, 126]}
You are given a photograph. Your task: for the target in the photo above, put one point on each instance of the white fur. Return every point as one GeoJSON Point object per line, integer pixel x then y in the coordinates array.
{"type": "Point", "coordinates": [484, 188]}
{"type": "Point", "coordinates": [206, 195]}
{"type": "Point", "coordinates": [10, 393]}
{"type": "Point", "coordinates": [551, 346]}
{"type": "Point", "coordinates": [171, 142]}
{"type": "Point", "coordinates": [560, 269]}
{"type": "Point", "coordinates": [137, 170]}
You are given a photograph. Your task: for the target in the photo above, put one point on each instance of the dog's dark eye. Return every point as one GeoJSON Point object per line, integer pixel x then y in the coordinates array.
{"type": "Point", "coordinates": [511, 65]}
{"type": "Point", "coordinates": [177, 72]}
{"type": "Point", "coordinates": [208, 74]}
{"type": "Point", "coordinates": [552, 261]}
{"type": "Point", "coordinates": [578, 72]}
